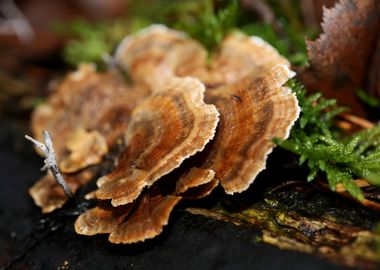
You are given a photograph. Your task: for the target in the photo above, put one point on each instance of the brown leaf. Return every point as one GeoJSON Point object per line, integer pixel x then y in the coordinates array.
{"type": "Point", "coordinates": [339, 58]}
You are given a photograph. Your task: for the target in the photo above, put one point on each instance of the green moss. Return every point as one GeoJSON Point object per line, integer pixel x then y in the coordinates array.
{"type": "Point", "coordinates": [208, 24]}
{"type": "Point", "coordinates": [368, 99]}
{"type": "Point", "coordinates": [90, 41]}
{"type": "Point", "coordinates": [207, 21]}
{"type": "Point", "coordinates": [323, 149]}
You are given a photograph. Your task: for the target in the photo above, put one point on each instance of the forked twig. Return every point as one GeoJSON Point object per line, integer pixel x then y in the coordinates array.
{"type": "Point", "coordinates": [50, 161]}
{"type": "Point", "coordinates": [15, 22]}
{"type": "Point", "coordinates": [350, 120]}
{"type": "Point", "coordinates": [340, 190]}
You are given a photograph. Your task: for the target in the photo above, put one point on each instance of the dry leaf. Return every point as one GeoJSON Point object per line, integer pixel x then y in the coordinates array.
{"type": "Point", "coordinates": [340, 58]}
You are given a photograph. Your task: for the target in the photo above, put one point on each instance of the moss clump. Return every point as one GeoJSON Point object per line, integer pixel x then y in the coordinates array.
{"type": "Point", "coordinates": [324, 150]}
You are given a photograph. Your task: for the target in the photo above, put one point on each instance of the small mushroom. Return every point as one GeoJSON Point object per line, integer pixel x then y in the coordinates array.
{"type": "Point", "coordinates": [193, 178]}
{"type": "Point", "coordinates": [169, 126]}
{"type": "Point", "coordinates": [238, 57]}
{"type": "Point", "coordinates": [157, 53]}
{"type": "Point", "coordinates": [49, 195]}
{"type": "Point", "coordinates": [147, 220]}
{"type": "Point", "coordinates": [86, 148]}
{"type": "Point", "coordinates": [196, 183]}
{"type": "Point", "coordinates": [252, 113]}
{"type": "Point", "coordinates": [90, 101]}
{"type": "Point", "coordinates": [86, 116]}
{"type": "Point", "coordinates": [102, 219]}
{"type": "Point", "coordinates": [241, 56]}
{"type": "Point", "coordinates": [145, 217]}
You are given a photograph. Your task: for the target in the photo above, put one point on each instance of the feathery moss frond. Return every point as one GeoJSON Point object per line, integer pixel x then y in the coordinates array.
{"type": "Point", "coordinates": [368, 99]}
{"type": "Point", "coordinates": [323, 150]}
{"type": "Point", "coordinates": [208, 25]}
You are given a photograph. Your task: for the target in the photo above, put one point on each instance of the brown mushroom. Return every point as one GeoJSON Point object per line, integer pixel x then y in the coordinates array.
{"type": "Point", "coordinates": [86, 148]}
{"type": "Point", "coordinates": [244, 84]}
{"type": "Point", "coordinates": [196, 183]}
{"type": "Point", "coordinates": [147, 220]}
{"type": "Point", "coordinates": [47, 193]}
{"type": "Point", "coordinates": [157, 53]}
{"type": "Point", "coordinates": [86, 116]}
{"type": "Point", "coordinates": [252, 113]}
{"type": "Point", "coordinates": [145, 217]}
{"type": "Point", "coordinates": [102, 219]}
{"type": "Point", "coordinates": [89, 102]}
{"type": "Point", "coordinates": [171, 125]}
{"type": "Point", "coordinates": [193, 178]}
{"type": "Point", "coordinates": [239, 56]}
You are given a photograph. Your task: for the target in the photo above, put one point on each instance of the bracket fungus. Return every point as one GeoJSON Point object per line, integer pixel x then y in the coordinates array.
{"type": "Point", "coordinates": [253, 112]}
{"type": "Point", "coordinates": [245, 81]}
{"type": "Point", "coordinates": [86, 116]}
{"type": "Point", "coordinates": [157, 53]}
{"type": "Point", "coordinates": [219, 115]}
{"type": "Point", "coordinates": [169, 126]}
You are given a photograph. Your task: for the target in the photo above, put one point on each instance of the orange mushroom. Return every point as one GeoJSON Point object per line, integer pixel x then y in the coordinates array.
{"type": "Point", "coordinates": [169, 126]}
{"type": "Point", "coordinates": [169, 121]}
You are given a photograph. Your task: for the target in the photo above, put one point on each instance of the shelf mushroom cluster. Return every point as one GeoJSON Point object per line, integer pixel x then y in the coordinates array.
{"type": "Point", "coordinates": [185, 124]}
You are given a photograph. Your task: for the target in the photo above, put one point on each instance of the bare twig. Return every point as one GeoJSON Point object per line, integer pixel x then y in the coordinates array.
{"type": "Point", "coordinates": [109, 61]}
{"type": "Point", "coordinates": [261, 8]}
{"type": "Point", "coordinates": [50, 161]}
{"type": "Point", "coordinates": [361, 122]}
{"type": "Point", "coordinates": [351, 123]}
{"type": "Point", "coordinates": [15, 22]}
{"type": "Point", "coordinates": [342, 192]}
{"type": "Point", "coordinates": [359, 182]}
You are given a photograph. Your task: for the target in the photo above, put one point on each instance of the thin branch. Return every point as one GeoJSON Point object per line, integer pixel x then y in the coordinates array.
{"type": "Point", "coordinates": [361, 122]}
{"type": "Point", "coordinates": [15, 22]}
{"type": "Point", "coordinates": [261, 8]}
{"type": "Point", "coordinates": [50, 161]}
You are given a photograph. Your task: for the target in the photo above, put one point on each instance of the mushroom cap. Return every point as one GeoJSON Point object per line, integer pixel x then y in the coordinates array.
{"type": "Point", "coordinates": [146, 221]}
{"type": "Point", "coordinates": [166, 128]}
{"type": "Point", "coordinates": [86, 115]}
{"type": "Point", "coordinates": [49, 195]}
{"type": "Point", "coordinates": [86, 101]}
{"type": "Point", "coordinates": [86, 148]}
{"type": "Point", "coordinates": [103, 218]}
{"type": "Point", "coordinates": [157, 53]}
{"type": "Point", "coordinates": [238, 56]}
{"type": "Point", "coordinates": [193, 178]}
{"type": "Point", "coordinates": [244, 79]}
{"type": "Point", "coordinates": [196, 183]}
{"type": "Point", "coordinates": [145, 217]}
{"type": "Point", "coordinates": [253, 112]}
